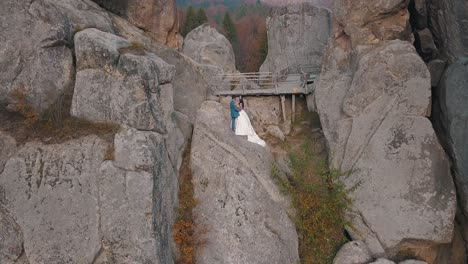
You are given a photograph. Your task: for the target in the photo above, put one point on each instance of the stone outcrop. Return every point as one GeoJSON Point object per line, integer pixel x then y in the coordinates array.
{"type": "Point", "coordinates": [297, 35]}
{"type": "Point", "coordinates": [108, 209]}
{"type": "Point", "coordinates": [449, 27]}
{"type": "Point", "coordinates": [88, 200]}
{"type": "Point", "coordinates": [452, 120]}
{"type": "Point", "coordinates": [133, 86]}
{"type": "Point", "coordinates": [366, 22]}
{"type": "Point", "coordinates": [374, 97]}
{"type": "Point", "coordinates": [449, 63]}
{"type": "Point", "coordinates": [11, 247]}
{"type": "Point", "coordinates": [206, 45]}
{"type": "Point", "coordinates": [215, 56]}
{"type": "Point", "coordinates": [189, 84]}
{"type": "Point", "coordinates": [35, 40]}
{"type": "Point", "coordinates": [157, 17]}
{"type": "Point", "coordinates": [8, 147]}
{"type": "Point", "coordinates": [241, 214]}
{"type": "Point", "coordinates": [446, 22]}
{"type": "Point", "coordinates": [354, 252]}
{"type": "Point", "coordinates": [382, 261]}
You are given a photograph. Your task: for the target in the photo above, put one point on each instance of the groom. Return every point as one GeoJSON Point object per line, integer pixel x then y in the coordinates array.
{"type": "Point", "coordinates": [234, 111]}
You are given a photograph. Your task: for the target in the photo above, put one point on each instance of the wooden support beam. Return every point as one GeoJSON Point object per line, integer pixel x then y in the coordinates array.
{"type": "Point", "coordinates": [293, 107]}
{"type": "Point", "coordinates": [282, 107]}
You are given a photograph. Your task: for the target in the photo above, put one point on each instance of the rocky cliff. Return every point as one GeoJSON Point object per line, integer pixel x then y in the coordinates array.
{"type": "Point", "coordinates": [85, 198]}
{"type": "Point", "coordinates": [297, 35]}
{"type": "Point", "coordinates": [241, 214]}
{"type": "Point", "coordinates": [444, 47]}
{"type": "Point", "coordinates": [214, 53]}
{"type": "Point", "coordinates": [374, 100]}
{"type": "Point", "coordinates": [158, 17]}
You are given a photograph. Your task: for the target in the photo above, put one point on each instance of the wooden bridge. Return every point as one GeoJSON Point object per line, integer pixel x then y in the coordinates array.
{"type": "Point", "coordinates": [281, 83]}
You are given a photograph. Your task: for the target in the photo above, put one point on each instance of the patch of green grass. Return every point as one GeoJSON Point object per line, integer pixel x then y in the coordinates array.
{"type": "Point", "coordinates": [320, 200]}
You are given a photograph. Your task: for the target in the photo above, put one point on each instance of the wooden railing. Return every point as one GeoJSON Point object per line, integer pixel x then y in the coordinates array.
{"type": "Point", "coordinates": [270, 80]}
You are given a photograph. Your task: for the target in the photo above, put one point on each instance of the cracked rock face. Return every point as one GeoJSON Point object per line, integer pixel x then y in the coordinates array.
{"type": "Point", "coordinates": [189, 85]}
{"type": "Point", "coordinates": [72, 206]}
{"type": "Point", "coordinates": [297, 35]}
{"type": "Point", "coordinates": [373, 102]}
{"type": "Point", "coordinates": [215, 56]}
{"type": "Point", "coordinates": [207, 46]}
{"type": "Point", "coordinates": [157, 17]}
{"type": "Point", "coordinates": [241, 213]}
{"type": "Point", "coordinates": [35, 41]}
{"type": "Point", "coordinates": [64, 203]}
{"type": "Point", "coordinates": [119, 83]}
{"type": "Point", "coordinates": [51, 191]}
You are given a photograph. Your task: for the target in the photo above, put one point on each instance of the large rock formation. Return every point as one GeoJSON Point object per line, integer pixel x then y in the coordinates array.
{"type": "Point", "coordinates": [449, 28]}
{"type": "Point", "coordinates": [133, 86]}
{"type": "Point", "coordinates": [36, 39]}
{"type": "Point", "coordinates": [189, 84]}
{"type": "Point", "coordinates": [206, 45]}
{"type": "Point", "coordinates": [87, 200]}
{"type": "Point", "coordinates": [374, 98]}
{"type": "Point", "coordinates": [241, 214]}
{"type": "Point", "coordinates": [158, 17]}
{"type": "Point", "coordinates": [214, 52]}
{"type": "Point", "coordinates": [297, 35]}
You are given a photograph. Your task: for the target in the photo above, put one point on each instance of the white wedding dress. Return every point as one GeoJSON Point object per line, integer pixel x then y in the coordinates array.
{"type": "Point", "coordinates": [244, 128]}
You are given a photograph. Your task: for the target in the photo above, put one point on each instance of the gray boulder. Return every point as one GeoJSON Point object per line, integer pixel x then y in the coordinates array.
{"type": "Point", "coordinates": [354, 252]}
{"type": "Point", "coordinates": [412, 261]}
{"type": "Point", "coordinates": [370, 22]}
{"type": "Point", "coordinates": [452, 113]}
{"type": "Point", "coordinates": [52, 190]}
{"type": "Point", "coordinates": [426, 45]}
{"type": "Point", "coordinates": [382, 261]}
{"type": "Point", "coordinates": [36, 39]}
{"type": "Point", "coordinates": [157, 17]}
{"type": "Point", "coordinates": [119, 83]}
{"type": "Point", "coordinates": [119, 211]}
{"type": "Point", "coordinates": [297, 35]}
{"type": "Point", "coordinates": [374, 118]}
{"type": "Point", "coordinates": [215, 56]}
{"type": "Point", "coordinates": [8, 148]}
{"type": "Point", "coordinates": [449, 27]}
{"type": "Point", "coordinates": [189, 85]}
{"type": "Point", "coordinates": [240, 208]}
{"type": "Point", "coordinates": [436, 68]}
{"type": "Point", "coordinates": [138, 198]}
{"type": "Point", "coordinates": [206, 45]}
{"type": "Point", "coordinates": [11, 245]}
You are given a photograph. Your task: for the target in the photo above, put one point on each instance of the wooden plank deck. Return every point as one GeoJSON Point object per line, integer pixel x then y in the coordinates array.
{"type": "Point", "coordinates": [265, 92]}
{"type": "Point", "coordinates": [290, 85]}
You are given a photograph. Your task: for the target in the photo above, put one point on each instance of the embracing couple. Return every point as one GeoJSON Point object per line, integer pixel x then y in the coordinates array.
{"type": "Point", "coordinates": [240, 122]}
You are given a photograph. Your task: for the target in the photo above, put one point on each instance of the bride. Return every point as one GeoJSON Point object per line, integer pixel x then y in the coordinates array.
{"type": "Point", "coordinates": [244, 127]}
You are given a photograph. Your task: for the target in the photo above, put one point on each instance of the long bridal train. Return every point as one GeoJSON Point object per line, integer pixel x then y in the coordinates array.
{"type": "Point", "coordinates": [244, 128]}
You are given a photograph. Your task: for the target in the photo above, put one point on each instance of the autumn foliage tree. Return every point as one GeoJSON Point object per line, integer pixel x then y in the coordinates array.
{"type": "Point", "coordinates": [193, 20]}
{"type": "Point", "coordinates": [251, 30]}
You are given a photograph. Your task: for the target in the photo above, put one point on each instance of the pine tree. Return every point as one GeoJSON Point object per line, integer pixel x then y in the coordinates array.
{"type": "Point", "coordinates": [231, 35]}
{"type": "Point", "coordinates": [190, 21]}
{"type": "Point", "coordinates": [264, 47]}
{"type": "Point", "coordinates": [201, 17]}
{"type": "Point", "coordinates": [230, 29]}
